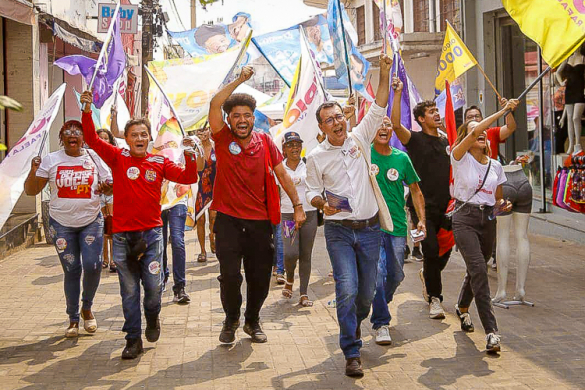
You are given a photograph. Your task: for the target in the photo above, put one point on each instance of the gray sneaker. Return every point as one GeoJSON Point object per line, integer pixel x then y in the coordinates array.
{"type": "Point", "coordinates": [436, 311]}
{"type": "Point", "coordinates": [383, 335]}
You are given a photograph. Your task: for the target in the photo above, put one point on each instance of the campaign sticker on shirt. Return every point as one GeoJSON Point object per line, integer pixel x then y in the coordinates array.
{"type": "Point", "coordinates": [235, 149]}
{"type": "Point", "coordinates": [154, 268]}
{"type": "Point", "coordinates": [296, 180]}
{"type": "Point", "coordinates": [213, 158]}
{"type": "Point", "coordinates": [374, 170]}
{"type": "Point", "coordinates": [150, 176]}
{"type": "Point", "coordinates": [61, 244]}
{"type": "Point", "coordinates": [354, 152]}
{"type": "Point", "coordinates": [392, 174]}
{"type": "Point", "coordinates": [448, 150]}
{"type": "Point", "coordinates": [133, 173]}
{"type": "Point", "coordinates": [87, 164]}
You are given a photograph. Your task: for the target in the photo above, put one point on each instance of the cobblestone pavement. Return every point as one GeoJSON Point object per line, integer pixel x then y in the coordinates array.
{"type": "Point", "coordinates": [543, 346]}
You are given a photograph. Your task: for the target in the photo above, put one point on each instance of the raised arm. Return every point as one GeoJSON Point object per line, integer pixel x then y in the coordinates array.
{"type": "Point", "coordinates": [34, 184]}
{"type": "Point", "coordinates": [476, 130]}
{"type": "Point", "coordinates": [349, 112]}
{"type": "Point", "coordinates": [114, 123]}
{"type": "Point", "coordinates": [187, 175]}
{"type": "Point", "coordinates": [107, 152]}
{"type": "Point", "coordinates": [510, 126]}
{"type": "Point", "coordinates": [215, 115]}
{"type": "Point", "coordinates": [402, 132]}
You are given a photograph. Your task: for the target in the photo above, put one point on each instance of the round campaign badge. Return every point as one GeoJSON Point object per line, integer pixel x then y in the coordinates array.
{"type": "Point", "coordinates": [448, 150]}
{"type": "Point", "coordinates": [235, 149]}
{"type": "Point", "coordinates": [213, 158]}
{"type": "Point", "coordinates": [374, 170]}
{"type": "Point", "coordinates": [154, 268]}
{"type": "Point", "coordinates": [296, 180]}
{"type": "Point", "coordinates": [133, 173]}
{"type": "Point", "coordinates": [150, 176]}
{"type": "Point", "coordinates": [392, 174]}
{"type": "Point", "coordinates": [87, 164]}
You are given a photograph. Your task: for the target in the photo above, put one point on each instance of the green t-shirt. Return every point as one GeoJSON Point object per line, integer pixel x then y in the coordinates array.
{"type": "Point", "coordinates": [392, 171]}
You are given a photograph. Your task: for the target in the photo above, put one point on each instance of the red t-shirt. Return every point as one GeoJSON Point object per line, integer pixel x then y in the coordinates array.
{"type": "Point", "coordinates": [493, 137]}
{"type": "Point", "coordinates": [137, 181]}
{"type": "Point", "coordinates": [239, 189]}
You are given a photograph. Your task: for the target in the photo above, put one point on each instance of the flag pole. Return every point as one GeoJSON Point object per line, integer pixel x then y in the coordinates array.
{"type": "Point", "coordinates": [385, 25]}
{"type": "Point", "coordinates": [106, 44]}
{"type": "Point", "coordinates": [319, 80]}
{"type": "Point", "coordinates": [166, 97]}
{"type": "Point", "coordinates": [270, 62]}
{"type": "Point", "coordinates": [345, 47]}
{"type": "Point", "coordinates": [489, 81]}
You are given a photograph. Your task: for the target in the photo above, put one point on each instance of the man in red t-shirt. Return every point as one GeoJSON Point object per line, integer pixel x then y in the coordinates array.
{"type": "Point", "coordinates": [240, 197]}
{"type": "Point", "coordinates": [137, 240]}
{"type": "Point", "coordinates": [495, 135]}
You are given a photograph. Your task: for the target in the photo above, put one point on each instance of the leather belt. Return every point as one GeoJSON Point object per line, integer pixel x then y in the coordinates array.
{"type": "Point", "coordinates": [356, 224]}
{"type": "Point", "coordinates": [473, 205]}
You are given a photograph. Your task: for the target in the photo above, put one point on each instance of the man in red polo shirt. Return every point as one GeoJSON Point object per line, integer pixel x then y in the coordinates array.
{"type": "Point", "coordinates": [495, 135]}
{"type": "Point", "coordinates": [137, 241]}
{"type": "Point", "coordinates": [242, 226]}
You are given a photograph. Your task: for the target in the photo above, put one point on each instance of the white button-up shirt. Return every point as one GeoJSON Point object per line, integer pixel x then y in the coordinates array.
{"type": "Point", "coordinates": [298, 177]}
{"type": "Point", "coordinates": [343, 171]}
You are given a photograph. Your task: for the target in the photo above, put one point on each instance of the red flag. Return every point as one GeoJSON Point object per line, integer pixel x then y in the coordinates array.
{"type": "Point", "coordinates": [365, 105]}
{"type": "Point", "coordinates": [450, 124]}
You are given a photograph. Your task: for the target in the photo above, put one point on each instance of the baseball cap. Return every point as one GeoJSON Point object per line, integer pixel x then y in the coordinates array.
{"type": "Point", "coordinates": [292, 136]}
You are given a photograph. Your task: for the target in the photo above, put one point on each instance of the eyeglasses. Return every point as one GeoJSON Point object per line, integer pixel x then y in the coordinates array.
{"type": "Point", "coordinates": [338, 118]}
{"type": "Point", "coordinates": [68, 133]}
{"type": "Point", "coordinates": [294, 145]}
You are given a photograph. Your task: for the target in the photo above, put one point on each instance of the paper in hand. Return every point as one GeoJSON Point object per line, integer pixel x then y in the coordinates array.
{"type": "Point", "coordinates": [338, 202]}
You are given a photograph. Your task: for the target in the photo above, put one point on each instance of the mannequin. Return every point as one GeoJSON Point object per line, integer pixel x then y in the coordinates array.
{"type": "Point", "coordinates": [572, 72]}
{"type": "Point", "coordinates": [517, 189]}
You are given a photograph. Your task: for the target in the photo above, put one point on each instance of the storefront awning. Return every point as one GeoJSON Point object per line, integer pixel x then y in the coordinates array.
{"type": "Point", "coordinates": [21, 11]}
{"type": "Point", "coordinates": [71, 35]}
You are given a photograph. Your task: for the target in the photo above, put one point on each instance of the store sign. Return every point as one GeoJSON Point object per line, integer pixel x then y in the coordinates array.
{"type": "Point", "coordinates": [128, 18]}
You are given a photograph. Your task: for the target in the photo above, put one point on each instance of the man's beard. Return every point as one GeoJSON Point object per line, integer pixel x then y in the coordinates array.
{"type": "Point", "coordinates": [235, 133]}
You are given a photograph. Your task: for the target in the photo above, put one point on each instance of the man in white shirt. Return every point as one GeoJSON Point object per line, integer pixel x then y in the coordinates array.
{"type": "Point", "coordinates": [352, 233]}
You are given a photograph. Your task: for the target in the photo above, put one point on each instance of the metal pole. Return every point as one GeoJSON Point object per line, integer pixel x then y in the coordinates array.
{"type": "Point", "coordinates": [385, 24]}
{"type": "Point", "coordinates": [147, 43]}
{"type": "Point", "coordinates": [541, 136]}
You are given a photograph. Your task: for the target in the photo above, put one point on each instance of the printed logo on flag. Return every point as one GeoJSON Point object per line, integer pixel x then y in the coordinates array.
{"type": "Point", "coordinates": [74, 182]}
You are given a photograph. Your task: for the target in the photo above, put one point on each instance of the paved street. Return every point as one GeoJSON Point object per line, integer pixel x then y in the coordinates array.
{"type": "Point", "coordinates": [543, 347]}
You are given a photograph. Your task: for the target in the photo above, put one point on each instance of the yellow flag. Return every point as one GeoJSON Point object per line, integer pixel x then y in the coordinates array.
{"type": "Point", "coordinates": [455, 60]}
{"type": "Point", "coordinates": [557, 26]}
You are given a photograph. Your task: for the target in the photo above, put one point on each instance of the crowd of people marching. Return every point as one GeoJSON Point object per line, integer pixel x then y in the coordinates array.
{"type": "Point", "coordinates": [264, 208]}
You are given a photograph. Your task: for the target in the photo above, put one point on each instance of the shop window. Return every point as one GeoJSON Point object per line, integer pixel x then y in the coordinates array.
{"type": "Point", "coordinates": [449, 11]}
{"type": "Point", "coordinates": [376, 22]}
{"type": "Point", "coordinates": [420, 10]}
{"type": "Point", "coordinates": [361, 25]}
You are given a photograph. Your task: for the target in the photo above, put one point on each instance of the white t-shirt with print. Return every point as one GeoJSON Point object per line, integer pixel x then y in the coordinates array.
{"type": "Point", "coordinates": [468, 174]}
{"type": "Point", "coordinates": [73, 182]}
{"type": "Point", "coordinates": [298, 177]}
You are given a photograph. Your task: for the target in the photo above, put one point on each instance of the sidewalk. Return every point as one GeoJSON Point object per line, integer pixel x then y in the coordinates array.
{"type": "Point", "coordinates": [543, 346]}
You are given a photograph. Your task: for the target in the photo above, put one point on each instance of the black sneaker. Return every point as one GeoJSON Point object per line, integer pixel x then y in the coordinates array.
{"type": "Point", "coordinates": [181, 297]}
{"type": "Point", "coordinates": [417, 254]}
{"type": "Point", "coordinates": [465, 318]}
{"type": "Point", "coordinates": [255, 331]}
{"type": "Point", "coordinates": [133, 349]}
{"type": "Point", "coordinates": [228, 332]}
{"type": "Point", "coordinates": [152, 331]}
{"type": "Point", "coordinates": [493, 343]}
{"type": "Point", "coordinates": [406, 253]}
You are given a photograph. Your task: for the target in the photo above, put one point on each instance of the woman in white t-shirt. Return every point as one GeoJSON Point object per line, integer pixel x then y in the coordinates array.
{"type": "Point", "coordinates": [107, 207]}
{"type": "Point", "coordinates": [477, 190]}
{"type": "Point", "coordinates": [76, 223]}
{"type": "Point", "coordinates": [298, 245]}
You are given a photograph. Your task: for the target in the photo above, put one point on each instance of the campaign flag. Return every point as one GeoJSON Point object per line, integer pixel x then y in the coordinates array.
{"type": "Point", "coordinates": [112, 62]}
{"type": "Point", "coordinates": [455, 59]}
{"type": "Point", "coordinates": [95, 112]}
{"type": "Point", "coordinates": [558, 27]}
{"type": "Point", "coordinates": [365, 104]}
{"type": "Point", "coordinates": [391, 12]}
{"type": "Point", "coordinates": [450, 124]}
{"type": "Point", "coordinates": [262, 122]}
{"type": "Point", "coordinates": [306, 95]}
{"type": "Point", "coordinates": [16, 165]}
{"type": "Point", "coordinates": [190, 83]}
{"type": "Point", "coordinates": [457, 95]}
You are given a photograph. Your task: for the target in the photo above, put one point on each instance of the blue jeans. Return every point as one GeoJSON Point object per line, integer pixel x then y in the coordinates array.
{"type": "Point", "coordinates": [79, 249]}
{"type": "Point", "coordinates": [278, 249]}
{"type": "Point", "coordinates": [174, 219]}
{"type": "Point", "coordinates": [354, 257]}
{"type": "Point", "coordinates": [390, 275]}
{"type": "Point", "coordinates": [131, 272]}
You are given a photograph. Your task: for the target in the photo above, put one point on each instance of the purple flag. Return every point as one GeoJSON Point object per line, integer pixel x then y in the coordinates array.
{"type": "Point", "coordinates": [405, 114]}
{"type": "Point", "coordinates": [112, 66]}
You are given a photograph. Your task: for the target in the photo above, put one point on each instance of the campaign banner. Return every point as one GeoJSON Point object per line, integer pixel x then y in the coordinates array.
{"type": "Point", "coordinates": [16, 165]}
{"type": "Point", "coordinates": [455, 59]}
{"type": "Point", "coordinates": [457, 97]}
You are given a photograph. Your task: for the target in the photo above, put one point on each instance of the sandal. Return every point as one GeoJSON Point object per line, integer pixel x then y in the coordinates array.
{"type": "Point", "coordinates": [73, 330]}
{"type": "Point", "coordinates": [105, 263]}
{"type": "Point", "coordinates": [202, 258]}
{"type": "Point", "coordinates": [90, 325]}
{"type": "Point", "coordinates": [305, 301]}
{"type": "Point", "coordinates": [280, 279]}
{"type": "Point", "coordinates": [113, 268]}
{"type": "Point", "coordinates": [287, 291]}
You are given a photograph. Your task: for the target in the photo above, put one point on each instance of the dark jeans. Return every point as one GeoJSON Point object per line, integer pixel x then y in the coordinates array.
{"type": "Point", "coordinates": [250, 240]}
{"type": "Point", "coordinates": [131, 272]}
{"type": "Point", "coordinates": [301, 249]}
{"type": "Point", "coordinates": [79, 249]}
{"type": "Point", "coordinates": [433, 264]}
{"type": "Point", "coordinates": [174, 219]}
{"type": "Point", "coordinates": [474, 236]}
{"type": "Point", "coordinates": [278, 257]}
{"type": "Point", "coordinates": [354, 257]}
{"type": "Point", "coordinates": [390, 275]}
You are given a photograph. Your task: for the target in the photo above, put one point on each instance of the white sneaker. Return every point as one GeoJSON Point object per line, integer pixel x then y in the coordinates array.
{"type": "Point", "coordinates": [383, 335]}
{"type": "Point", "coordinates": [493, 343]}
{"type": "Point", "coordinates": [436, 309]}
{"type": "Point", "coordinates": [421, 275]}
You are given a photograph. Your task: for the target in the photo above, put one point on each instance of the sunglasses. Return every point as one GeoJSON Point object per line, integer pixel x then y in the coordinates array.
{"type": "Point", "coordinates": [69, 132]}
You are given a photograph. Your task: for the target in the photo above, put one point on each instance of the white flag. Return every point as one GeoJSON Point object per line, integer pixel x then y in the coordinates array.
{"type": "Point", "coordinates": [15, 167]}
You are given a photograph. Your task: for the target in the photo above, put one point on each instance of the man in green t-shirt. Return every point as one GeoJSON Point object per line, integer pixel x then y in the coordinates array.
{"type": "Point", "coordinates": [393, 170]}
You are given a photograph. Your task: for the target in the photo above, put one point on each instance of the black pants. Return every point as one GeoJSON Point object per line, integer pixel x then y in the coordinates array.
{"type": "Point", "coordinates": [250, 240]}
{"type": "Point", "coordinates": [433, 264]}
{"type": "Point", "coordinates": [475, 234]}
